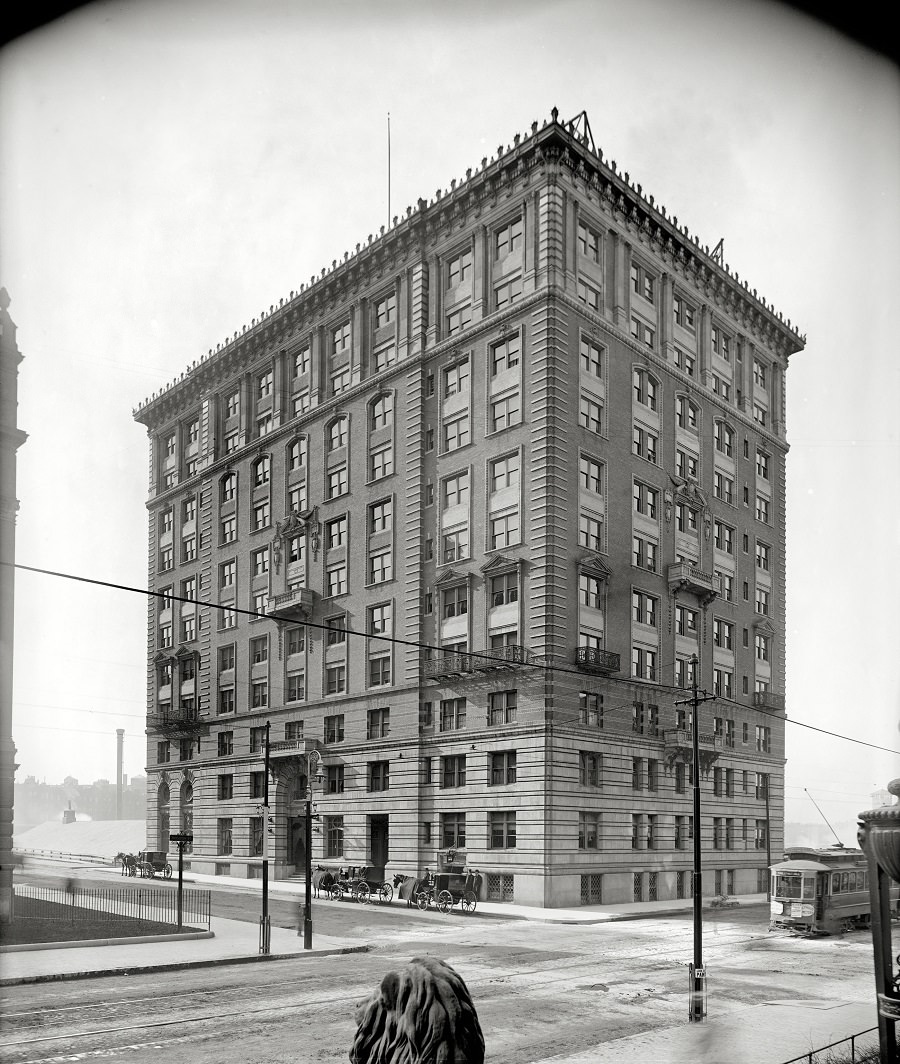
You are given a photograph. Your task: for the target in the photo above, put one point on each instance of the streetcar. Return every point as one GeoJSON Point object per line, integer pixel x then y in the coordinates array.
{"type": "Point", "coordinates": [822, 891]}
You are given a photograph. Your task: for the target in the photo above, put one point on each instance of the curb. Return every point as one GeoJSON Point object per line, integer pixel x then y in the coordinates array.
{"type": "Point", "coordinates": [27, 947]}
{"type": "Point", "coordinates": [140, 969]}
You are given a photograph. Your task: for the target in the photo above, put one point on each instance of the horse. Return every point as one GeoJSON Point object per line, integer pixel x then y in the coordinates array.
{"type": "Point", "coordinates": [129, 863]}
{"type": "Point", "coordinates": [322, 879]}
{"type": "Point", "coordinates": [408, 888]}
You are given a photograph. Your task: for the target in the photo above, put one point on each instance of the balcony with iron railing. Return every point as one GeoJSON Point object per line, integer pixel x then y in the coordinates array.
{"type": "Point", "coordinates": [177, 720]}
{"type": "Point", "coordinates": [593, 659]}
{"type": "Point", "coordinates": [445, 665]}
{"type": "Point", "coordinates": [681, 738]}
{"type": "Point", "coordinates": [294, 604]}
{"type": "Point", "coordinates": [768, 700]}
{"type": "Point", "coordinates": [682, 576]}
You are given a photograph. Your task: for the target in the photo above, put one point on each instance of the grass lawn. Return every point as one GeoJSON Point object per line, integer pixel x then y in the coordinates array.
{"type": "Point", "coordinates": [49, 922]}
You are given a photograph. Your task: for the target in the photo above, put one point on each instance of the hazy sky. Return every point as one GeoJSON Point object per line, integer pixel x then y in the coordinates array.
{"type": "Point", "coordinates": [169, 170]}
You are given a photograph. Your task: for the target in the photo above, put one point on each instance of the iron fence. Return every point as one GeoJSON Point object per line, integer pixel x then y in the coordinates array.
{"type": "Point", "coordinates": [859, 1053]}
{"type": "Point", "coordinates": [156, 904]}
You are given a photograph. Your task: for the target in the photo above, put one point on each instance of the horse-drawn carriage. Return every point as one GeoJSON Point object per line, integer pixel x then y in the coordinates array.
{"type": "Point", "coordinates": [441, 890]}
{"type": "Point", "coordinates": [363, 883]}
{"type": "Point", "coordinates": [149, 862]}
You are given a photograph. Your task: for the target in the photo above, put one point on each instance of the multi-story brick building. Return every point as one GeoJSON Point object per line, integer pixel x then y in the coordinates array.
{"type": "Point", "coordinates": [459, 513]}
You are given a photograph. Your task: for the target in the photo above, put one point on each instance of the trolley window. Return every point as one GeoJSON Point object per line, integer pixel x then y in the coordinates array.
{"type": "Point", "coordinates": [793, 885]}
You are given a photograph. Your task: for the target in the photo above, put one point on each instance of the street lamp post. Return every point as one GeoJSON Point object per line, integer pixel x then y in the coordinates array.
{"type": "Point", "coordinates": [312, 766]}
{"type": "Point", "coordinates": [181, 840]}
{"type": "Point", "coordinates": [265, 928]}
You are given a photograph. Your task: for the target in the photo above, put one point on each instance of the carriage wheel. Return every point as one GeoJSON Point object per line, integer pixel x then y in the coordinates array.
{"type": "Point", "coordinates": [467, 901]}
{"type": "Point", "coordinates": [132, 870]}
{"type": "Point", "coordinates": [385, 893]}
{"type": "Point", "coordinates": [335, 892]}
{"type": "Point", "coordinates": [422, 899]}
{"type": "Point", "coordinates": [167, 871]}
{"type": "Point", "coordinates": [362, 893]}
{"type": "Point", "coordinates": [445, 901]}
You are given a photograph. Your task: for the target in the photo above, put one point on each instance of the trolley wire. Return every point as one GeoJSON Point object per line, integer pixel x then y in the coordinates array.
{"type": "Point", "coordinates": [552, 668]}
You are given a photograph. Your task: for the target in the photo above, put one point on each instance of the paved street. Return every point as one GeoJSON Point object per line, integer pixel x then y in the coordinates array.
{"type": "Point", "coordinates": [543, 991]}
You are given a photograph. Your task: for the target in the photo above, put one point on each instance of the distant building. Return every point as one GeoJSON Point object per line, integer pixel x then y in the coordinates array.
{"type": "Point", "coordinates": [38, 802]}
{"type": "Point", "coordinates": [531, 442]}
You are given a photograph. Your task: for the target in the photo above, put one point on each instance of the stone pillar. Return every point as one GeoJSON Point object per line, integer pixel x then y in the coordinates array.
{"type": "Point", "coordinates": [11, 438]}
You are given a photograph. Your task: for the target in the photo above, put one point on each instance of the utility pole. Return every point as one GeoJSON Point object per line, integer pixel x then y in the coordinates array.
{"type": "Point", "coordinates": [265, 928]}
{"type": "Point", "coordinates": [312, 765]}
{"type": "Point", "coordinates": [697, 991]}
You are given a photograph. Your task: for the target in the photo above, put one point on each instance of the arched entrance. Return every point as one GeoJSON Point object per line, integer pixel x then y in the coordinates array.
{"type": "Point", "coordinates": [162, 817]}
{"type": "Point", "coordinates": [295, 801]}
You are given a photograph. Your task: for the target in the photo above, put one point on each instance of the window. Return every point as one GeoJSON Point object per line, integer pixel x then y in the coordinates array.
{"type": "Point", "coordinates": [165, 522]}
{"type": "Point", "coordinates": [334, 836]}
{"type": "Point", "coordinates": [645, 500]}
{"type": "Point", "coordinates": [381, 516]}
{"type": "Point", "coordinates": [230, 442]}
{"type": "Point", "coordinates": [724, 537]}
{"type": "Point", "coordinates": [232, 404]}
{"type": "Point", "coordinates": [163, 752]}
{"type": "Point", "coordinates": [378, 723]}
{"type": "Point", "coordinates": [684, 313]}
{"type": "Point", "coordinates": [503, 768]}
{"type": "Point", "coordinates": [504, 530]}
{"type": "Point", "coordinates": [588, 294]}
{"type": "Point", "coordinates": [453, 771]}
{"type": "Point", "coordinates": [454, 602]}
{"type": "Point", "coordinates": [335, 631]}
{"type": "Point", "coordinates": [380, 567]}
{"type": "Point", "coordinates": [453, 830]}
{"type": "Point", "coordinates": [229, 529]}
{"type": "Point", "coordinates": [723, 680]}
{"type": "Point", "coordinates": [643, 663]}
{"type": "Point", "coordinates": [295, 686]}
{"type": "Point", "coordinates": [762, 647]}
{"type": "Point", "coordinates": [166, 561]}
{"type": "Point", "coordinates": [588, 831]}
{"type": "Point", "coordinates": [760, 416]}
{"type": "Point", "coordinates": [643, 333]}
{"type": "Point", "coordinates": [589, 769]}
{"type": "Point", "coordinates": [377, 776]}
{"type": "Point", "coordinates": [507, 292]}
{"type": "Point", "coordinates": [591, 356]}
{"type": "Point", "coordinates": [504, 473]}
{"type": "Point", "coordinates": [336, 532]}
{"type": "Point", "coordinates": [453, 714]}
{"type": "Point", "coordinates": [337, 484]}
{"type": "Point", "coordinates": [721, 387]}
{"type": "Point", "coordinates": [455, 545]}
{"type": "Point", "coordinates": [226, 787]}
{"type": "Point", "coordinates": [296, 454]}
{"type": "Point", "coordinates": [456, 378]}
{"type": "Point", "coordinates": [380, 670]}
{"type": "Point", "coordinates": [646, 389]}
{"type": "Point", "coordinates": [385, 310]}
{"type": "Point", "coordinates": [726, 583]}
{"type": "Point", "coordinates": [721, 343]}
{"type": "Point", "coordinates": [686, 621]}
{"type": "Point", "coordinates": [261, 516]}
{"type": "Point", "coordinates": [590, 474]}
{"type": "Point", "coordinates": [225, 744]}
{"type": "Point", "coordinates": [224, 834]}
{"type": "Point", "coordinates": [590, 709]}
{"type": "Point", "coordinates": [259, 650]}
{"type": "Point", "coordinates": [724, 438]}
{"type": "Point", "coordinates": [334, 729]}
{"type": "Point", "coordinates": [685, 362]}
{"type": "Point", "coordinates": [504, 589]}
{"type": "Point", "coordinates": [165, 635]}
{"type": "Point", "coordinates": [645, 443]}
{"type": "Point", "coordinates": [762, 601]}
{"type": "Point", "coordinates": [261, 471]}
{"type": "Point", "coordinates": [502, 707]}
{"type": "Point", "coordinates": [643, 283]}
{"type": "Point", "coordinates": [590, 531]}
{"type": "Point", "coordinates": [229, 487]}
{"type": "Point", "coordinates": [334, 779]}
{"type": "Point", "coordinates": [502, 827]}
{"type": "Point", "coordinates": [264, 425]}
{"type": "Point", "coordinates": [723, 634]}
{"type": "Point", "coordinates": [259, 694]}
{"type": "Point", "coordinates": [762, 465]}
{"type": "Point", "coordinates": [723, 487]}
{"type": "Point", "coordinates": [459, 319]}
{"type": "Point", "coordinates": [759, 373]}
{"type": "Point", "coordinates": [508, 239]}
{"type": "Point", "coordinates": [335, 679]}
{"type": "Point", "coordinates": [459, 268]}
{"type": "Point", "coordinates": [336, 435]}
{"type": "Point", "coordinates": [296, 641]}
{"type": "Point", "coordinates": [588, 242]}
{"type": "Point", "coordinates": [259, 561]}
{"type": "Point", "coordinates": [456, 432]}
{"type": "Point", "coordinates": [687, 414]}
{"type": "Point", "coordinates": [227, 618]}
{"type": "Point", "coordinates": [381, 413]}
{"type": "Point", "coordinates": [590, 591]}
{"type": "Point", "coordinates": [762, 509]}
{"type": "Point", "coordinates": [296, 550]}
{"type": "Point", "coordinates": [590, 414]}
{"type": "Point", "coordinates": [644, 608]}
{"type": "Point", "coordinates": [505, 412]}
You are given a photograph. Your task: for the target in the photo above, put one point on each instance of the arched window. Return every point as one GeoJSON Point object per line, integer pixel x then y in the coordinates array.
{"type": "Point", "coordinates": [381, 412]}
{"type": "Point", "coordinates": [687, 414]}
{"type": "Point", "coordinates": [261, 471]}
{"type": "Point", "coordinates": [724, 438]}
{"type": "Point", "coordinates": [162, 816]}
{"type": "Point", "coordinates": [296, 454]}
{"type": "Point", "coordinates": [646, 388]}
{"type": "Point", "coordinates": [336, 434]}
{"type": "Point", "coordinates": [228, 487]}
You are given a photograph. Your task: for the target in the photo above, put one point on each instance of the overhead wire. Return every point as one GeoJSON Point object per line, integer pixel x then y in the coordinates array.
{"type": "Point", "coordinates": [552, 668]}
